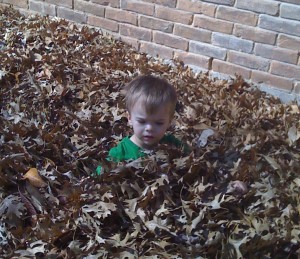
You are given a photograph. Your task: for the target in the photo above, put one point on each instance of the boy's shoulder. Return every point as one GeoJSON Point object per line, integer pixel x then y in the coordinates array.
{"type": "Point", "coordinates": [170, 139]}
{"type": "Point", "coordinates": [125, 150]}
{"type": "Point", "coordinates": [120, 148]}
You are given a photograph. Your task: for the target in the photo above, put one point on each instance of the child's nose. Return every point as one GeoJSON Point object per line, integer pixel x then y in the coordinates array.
{"type": "Point", "coordinates": [149, 127]}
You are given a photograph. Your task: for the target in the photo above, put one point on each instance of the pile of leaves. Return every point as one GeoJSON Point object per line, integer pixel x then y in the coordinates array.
{"type": "Point", "coordinates": [62, 109]}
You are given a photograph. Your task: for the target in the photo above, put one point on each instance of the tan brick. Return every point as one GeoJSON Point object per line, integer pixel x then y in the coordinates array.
{"type": "Point", "coordinates": [271, 80]}
{"type": "Point", "coordinates": [169, 3]}
{"type": "Point", "coordinates": [89, 7]}
{"type": "Point", "coordinates": [138, 7]}
{"type": "Point", "coordinates": [289, 42]}
{"type": "Point", "coordinates": [42, 7]}
{"type": "Point", "coordinates": [121, 15]}
{"type": "Point", "coordinates": [135, 32]}
{"type": "Point", "coordinates": [71, 15]}
{"type": "Point", "coordinates": [212, 24]}
{"type": "Point", "coordinates": [285, 70]}
{"type": "Point", "coordinates": [197, 7]}
{"type": "Point", "coordinates": [65, 3]}
{"type": "Point", "coordinates": [103, 23]}
{"type": "Point", "coordinates": [254, 34]}
{"type": "Point", "coordinates": [174, 15]}
{"type": "Point", "coordinates": [192, 33]}
{"type": "Point", "coordinates": [190, 59]}
{"type": "Point", "coordinates": [130, 41]}
{"type": "Point", "coordinates": [233, 15]}
{"type": "Point", "coordinates": [209, 9]}
{"type": "Point", "coordinates": [230, 69]}
{"type": "Point", "coordinates": [156, 50]}
{"type": "Point", "coordinates": [276, 53]}
{"type": "Point", "coordinates": [170, 41]}
{"type": "Point", "coordinates": [18, 3]}
{"type": "Point", "coordinates": [190, 6]}
{"type": "Point", "coordinates": [112, 3]}
{"type": "Point", "coordinates": [247, 60]}
{"type": "Point", "coordinates": [155, 24]}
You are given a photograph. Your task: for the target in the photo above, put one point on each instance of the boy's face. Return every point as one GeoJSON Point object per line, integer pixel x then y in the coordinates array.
{"type": "Point", "coordinates": [148, 129]}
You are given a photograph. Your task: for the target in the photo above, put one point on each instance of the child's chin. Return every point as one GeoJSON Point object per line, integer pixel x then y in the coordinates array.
{"type": "Point", "coordinates": [149, 144]}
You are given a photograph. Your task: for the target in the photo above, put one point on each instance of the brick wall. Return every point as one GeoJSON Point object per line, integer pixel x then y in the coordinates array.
{"type": "Point", "coordinates": [258, 39]}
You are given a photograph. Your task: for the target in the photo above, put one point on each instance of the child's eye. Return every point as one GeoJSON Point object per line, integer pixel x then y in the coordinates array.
{"type": "Point", "coordinates": [141, 121]}
{"type": "Point", "coordinates": [159, 123]}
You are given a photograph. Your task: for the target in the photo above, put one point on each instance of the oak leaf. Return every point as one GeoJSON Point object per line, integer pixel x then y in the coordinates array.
{"type": "Point", "coordinates": [32, 175]}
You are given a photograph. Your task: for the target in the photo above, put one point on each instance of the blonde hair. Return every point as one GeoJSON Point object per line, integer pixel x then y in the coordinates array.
{"type": "Point", "coordinates": [153, 91]}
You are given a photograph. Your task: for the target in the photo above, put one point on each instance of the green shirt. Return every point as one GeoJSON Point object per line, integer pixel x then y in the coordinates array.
{"type": "Point", "coordinates": [127, 150]}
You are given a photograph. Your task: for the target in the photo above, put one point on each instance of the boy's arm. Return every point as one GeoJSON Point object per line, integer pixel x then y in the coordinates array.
{"type": "Point", "coordinates": [98, 170]}
{"type": "Point", "coordinates": [101, 168]}
{"type": "Point", "coordinates": [115, 154]}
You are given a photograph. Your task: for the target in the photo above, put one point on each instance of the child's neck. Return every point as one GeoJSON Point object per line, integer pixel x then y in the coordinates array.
{"type": "Point", "coordinates": [134, 139]}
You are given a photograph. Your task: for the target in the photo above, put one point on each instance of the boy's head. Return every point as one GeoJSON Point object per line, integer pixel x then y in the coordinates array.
{"type": "Point", "coordinates": [152, 92]}
{"type": "Point", "coordinates": [151, 105]}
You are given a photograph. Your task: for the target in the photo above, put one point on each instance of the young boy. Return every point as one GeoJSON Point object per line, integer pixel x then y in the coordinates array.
{"type": "Point", "coordinates": [150, 102]}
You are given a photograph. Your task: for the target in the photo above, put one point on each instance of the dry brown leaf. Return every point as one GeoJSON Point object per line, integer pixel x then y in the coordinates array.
{"type": "Point", "coordinates": [34, 178]}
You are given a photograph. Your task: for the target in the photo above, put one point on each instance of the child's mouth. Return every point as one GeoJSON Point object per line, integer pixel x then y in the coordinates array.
{"type": "Point", "coordinates": [148, 138]}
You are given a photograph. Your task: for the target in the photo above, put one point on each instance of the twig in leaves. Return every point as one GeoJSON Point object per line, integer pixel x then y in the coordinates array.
{"type": "Point", "coordinates": [30, 208]}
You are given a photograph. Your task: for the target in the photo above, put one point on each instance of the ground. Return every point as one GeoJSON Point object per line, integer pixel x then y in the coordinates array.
{"type": "Point", "coordinates": [62, 109]}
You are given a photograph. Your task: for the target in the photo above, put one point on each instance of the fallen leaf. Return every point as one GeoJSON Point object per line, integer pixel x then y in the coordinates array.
{"type": "Point", "coordinates": [202, 141]}
{"type": "Point", "coordinates": [293, 134]}
{"type": "Point", "coordinates": [34, 178]}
